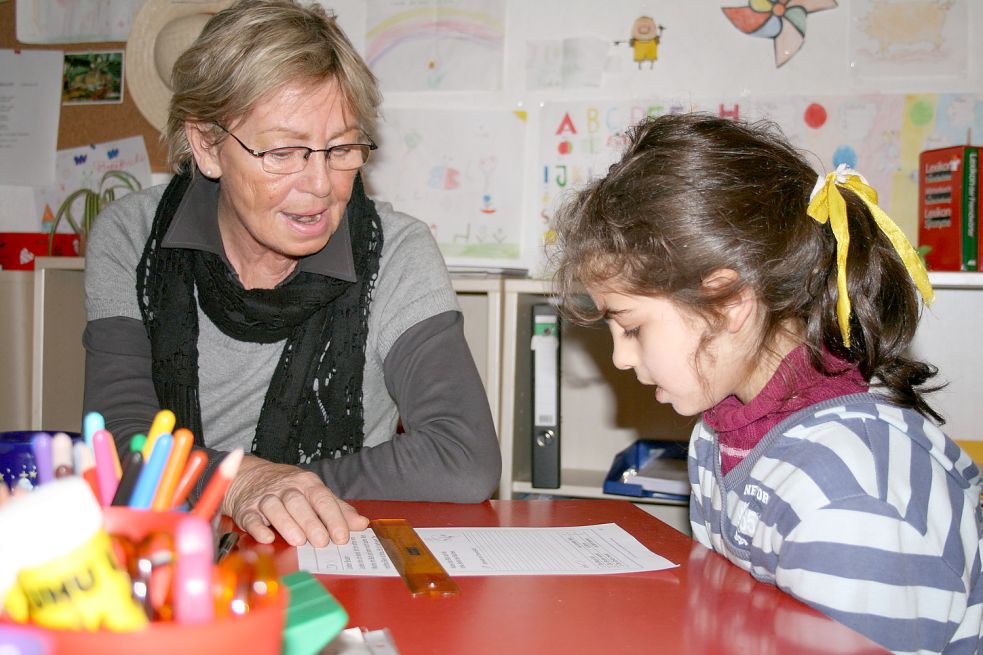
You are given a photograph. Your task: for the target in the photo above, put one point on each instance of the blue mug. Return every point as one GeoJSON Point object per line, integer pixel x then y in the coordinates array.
{"type": "Point", "coordinates": [17, 456]}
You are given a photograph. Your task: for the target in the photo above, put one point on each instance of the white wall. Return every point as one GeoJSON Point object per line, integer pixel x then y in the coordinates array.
{"type": "Point", "coordinates": [701, 55]}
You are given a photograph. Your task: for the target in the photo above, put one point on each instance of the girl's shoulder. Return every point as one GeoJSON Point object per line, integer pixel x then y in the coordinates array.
{"type": "Point", "coordinates": [865, 443]}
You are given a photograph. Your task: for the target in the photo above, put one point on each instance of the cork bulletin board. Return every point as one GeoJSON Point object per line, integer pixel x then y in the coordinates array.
{"type": "Point", "coordinates": [80, 125]}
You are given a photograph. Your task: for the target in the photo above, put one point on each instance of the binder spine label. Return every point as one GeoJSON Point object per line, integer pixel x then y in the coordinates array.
{"type": "Point", "coordinates": [545, 345]}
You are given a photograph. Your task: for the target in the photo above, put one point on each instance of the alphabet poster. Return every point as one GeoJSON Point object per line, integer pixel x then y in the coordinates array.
{"type": "Point", "coordinates": [880, 135]}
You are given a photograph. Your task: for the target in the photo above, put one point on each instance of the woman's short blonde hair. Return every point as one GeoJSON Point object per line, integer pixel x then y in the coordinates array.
{"type": "Point", "coordinates": [253, 48]}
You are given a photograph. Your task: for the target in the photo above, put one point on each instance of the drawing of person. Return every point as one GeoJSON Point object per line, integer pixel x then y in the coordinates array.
{"type": "Point", "coordinates": [645, 38]}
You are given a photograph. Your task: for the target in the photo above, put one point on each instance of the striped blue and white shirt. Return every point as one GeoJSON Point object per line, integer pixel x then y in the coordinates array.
{"type": "Point", "coordinates": [861, 509]}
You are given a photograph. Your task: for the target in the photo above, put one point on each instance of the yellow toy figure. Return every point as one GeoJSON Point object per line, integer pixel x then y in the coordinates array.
{"type": "Point", "coordinates": [645, 37]}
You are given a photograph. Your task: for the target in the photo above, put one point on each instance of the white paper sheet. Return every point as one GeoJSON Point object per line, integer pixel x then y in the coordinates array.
{"type": "Point", "coordinates": [57, 21]}
{"type": "Point", "coordinates": [30, 99]}
{"type": "Point", "coordinates": [580, 550]}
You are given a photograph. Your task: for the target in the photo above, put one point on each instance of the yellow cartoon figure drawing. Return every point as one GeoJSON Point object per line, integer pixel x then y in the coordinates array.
{"type": "Point", "coordinates": [645, 38]}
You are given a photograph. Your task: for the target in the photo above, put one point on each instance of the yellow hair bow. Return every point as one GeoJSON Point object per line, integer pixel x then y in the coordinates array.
{"type": "Point", "coordinates": [827, 204]}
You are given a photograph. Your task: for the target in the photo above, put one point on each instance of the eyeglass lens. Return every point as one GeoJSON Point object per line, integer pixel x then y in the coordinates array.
{"type": "Point", "coordinates": [291, 160]}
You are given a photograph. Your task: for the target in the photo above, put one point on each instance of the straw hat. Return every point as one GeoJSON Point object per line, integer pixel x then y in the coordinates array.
{"type": "Point", "coordinates": [161, 31]}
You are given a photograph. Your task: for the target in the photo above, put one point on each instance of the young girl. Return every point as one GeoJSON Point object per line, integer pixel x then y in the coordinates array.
{"type": "Point", "coordinates": [782, 308]}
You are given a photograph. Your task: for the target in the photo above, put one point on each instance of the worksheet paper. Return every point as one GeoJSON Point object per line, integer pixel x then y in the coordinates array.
{"type": "Point", "coordinates": [30, 100]}
{"type": "Point", "coordinates": [579, 550]}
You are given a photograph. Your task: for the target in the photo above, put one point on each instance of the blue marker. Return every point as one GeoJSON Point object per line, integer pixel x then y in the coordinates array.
{"type": "Point", "coordinates": [146, 487]}
{"type": "Point", "coordinates": [92, 422]}
{"type": "Point", "coordinates": [43, 460]}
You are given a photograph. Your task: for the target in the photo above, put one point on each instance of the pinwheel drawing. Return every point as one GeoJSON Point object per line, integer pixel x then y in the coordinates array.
{"type": "Point", "coordinates": [781, 20]}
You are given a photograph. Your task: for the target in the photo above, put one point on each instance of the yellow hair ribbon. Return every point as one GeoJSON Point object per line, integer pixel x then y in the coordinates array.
{"type": "Point", "coordinates": [827, 204]}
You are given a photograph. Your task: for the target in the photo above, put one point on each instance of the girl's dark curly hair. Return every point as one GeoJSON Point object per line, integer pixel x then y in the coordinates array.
{"type": "Point", "coordinates": [694, 194]}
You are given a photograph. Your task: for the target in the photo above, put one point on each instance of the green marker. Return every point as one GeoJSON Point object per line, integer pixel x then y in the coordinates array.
{"type": "Point", "coordinates": [137, 442]}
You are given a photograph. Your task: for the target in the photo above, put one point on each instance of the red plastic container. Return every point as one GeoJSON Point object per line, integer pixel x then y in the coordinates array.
{"type": "Point", "coordinates": [260, 632]}
{"type": "Point", "coordinates": [18, 249]}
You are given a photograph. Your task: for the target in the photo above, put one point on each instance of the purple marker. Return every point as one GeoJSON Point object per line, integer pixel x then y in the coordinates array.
{"type": "Point", "coordinates": [41, 444]}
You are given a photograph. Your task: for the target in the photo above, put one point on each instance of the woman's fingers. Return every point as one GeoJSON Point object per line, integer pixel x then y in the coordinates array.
{"type": "Point", "coordinates": [305, 517]}
{"type": "Point", "coordinates": [329, 510]}
{"type": "Point", "coordinates": [356, 522]}
{"type": "Point", "coordinates": [294, 503]}
{"type": "Point", "coordinates": [252, 522]}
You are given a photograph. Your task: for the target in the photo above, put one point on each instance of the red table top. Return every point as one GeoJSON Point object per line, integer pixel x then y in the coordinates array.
{"type": "Point", "coordinates": [706, 605]}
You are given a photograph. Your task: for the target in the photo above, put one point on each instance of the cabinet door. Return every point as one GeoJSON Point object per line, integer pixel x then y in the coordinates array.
{"type": "Point", "coordinates": [59, 359]}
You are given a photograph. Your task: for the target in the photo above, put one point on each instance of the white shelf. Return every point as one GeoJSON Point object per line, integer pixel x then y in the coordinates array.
{"type": "Point", "coordinates": [583, 483]}
{"type": "Point", "coordinates": [956, 279]}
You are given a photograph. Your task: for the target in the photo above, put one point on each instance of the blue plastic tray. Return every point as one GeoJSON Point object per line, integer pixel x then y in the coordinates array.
{"type": "Point", "coordinates": [635, 456]}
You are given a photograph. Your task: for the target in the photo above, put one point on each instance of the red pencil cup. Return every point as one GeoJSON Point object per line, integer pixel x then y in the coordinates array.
{"type": "Point", "coordinates": [260, 632]}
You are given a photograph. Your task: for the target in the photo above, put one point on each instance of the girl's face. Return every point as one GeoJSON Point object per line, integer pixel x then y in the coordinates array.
{"type": "Point", "coordinates": [661, 343]}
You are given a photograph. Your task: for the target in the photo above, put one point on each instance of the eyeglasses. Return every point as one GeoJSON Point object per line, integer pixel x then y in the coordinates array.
{"type": "Point", "coordinates": [284, 161]}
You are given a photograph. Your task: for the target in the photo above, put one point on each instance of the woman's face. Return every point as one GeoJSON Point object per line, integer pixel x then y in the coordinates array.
{"type": "Point", "coordinates": [271, 218]}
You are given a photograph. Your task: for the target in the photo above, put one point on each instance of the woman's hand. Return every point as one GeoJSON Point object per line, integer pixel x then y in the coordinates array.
{"type": "Point", "coordinates": [290, 500]}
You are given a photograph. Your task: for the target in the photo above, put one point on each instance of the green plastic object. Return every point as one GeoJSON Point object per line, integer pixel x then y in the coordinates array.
{"type": "Point", "coordinates": [314, 617]}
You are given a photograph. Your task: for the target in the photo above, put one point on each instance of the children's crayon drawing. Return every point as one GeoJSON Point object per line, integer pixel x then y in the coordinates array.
{"type": "Point", "coordinates": [87, 167]}
{"type": "Point", "coordinates": [458, 171]}
{"type": "Point", "coordinates": [570, 63]}
{"type": "Point", "coordinates": [646, 35]}
{"type": "Point", "coordinates": [782, 21]}
{"type": "Point", "coordinates": [909, 37]}
{"type": "Point", "coordinates": [431, 45]}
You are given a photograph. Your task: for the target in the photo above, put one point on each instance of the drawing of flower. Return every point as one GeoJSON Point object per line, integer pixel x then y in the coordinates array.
{"type": "Point", "coordinates": [784, 21]}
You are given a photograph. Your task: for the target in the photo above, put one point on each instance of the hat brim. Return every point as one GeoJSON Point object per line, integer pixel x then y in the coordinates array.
{"type": "Point", "coordinates": [149, 90]}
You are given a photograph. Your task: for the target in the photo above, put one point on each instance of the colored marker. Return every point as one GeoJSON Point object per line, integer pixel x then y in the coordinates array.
{"type": "Point", "coordinates": [226, 543]}
{"type": "Point", "coordinates": [61, 455]}
{"type": "Point", "coordinates": [41, 445]}
{"type": "Point", "coordinates": [85, 466]}
{"type": "Point", "coordinates": [93, 421]}
{"type": "Point", "coordinates": [163, 424]}
{"type": "Point", "coordinates": [194, 549]}
{"type": "Point", "coordinates": [183, 440]}
{"type": "Point", "coordinates": [106, 463]}
{"type": "Point", "coordinates": [137, 442]}
{"type": "Point", "coordinates": [197, 461]}
{"type": "Point", "coordinates": [215, 490]}
{"type": "Point", "coordinates": [132, 465]}
{"type": "Point", "coordinates": [146, 487]}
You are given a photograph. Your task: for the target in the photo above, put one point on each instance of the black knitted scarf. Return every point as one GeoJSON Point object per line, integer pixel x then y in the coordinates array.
{"type": "Point", "coordinates": [313, 406]}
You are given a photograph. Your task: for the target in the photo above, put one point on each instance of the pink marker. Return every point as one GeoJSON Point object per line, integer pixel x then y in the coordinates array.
{"type": "Point", "coordinates": [105, 453]}
{"type": "Point", "coordinates": [194, 549]}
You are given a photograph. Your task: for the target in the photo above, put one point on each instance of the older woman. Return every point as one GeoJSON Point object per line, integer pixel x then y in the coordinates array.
{"type": "Point", "coordinates": [271, 305]}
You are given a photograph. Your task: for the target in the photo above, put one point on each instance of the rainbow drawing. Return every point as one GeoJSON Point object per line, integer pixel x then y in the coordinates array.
{"type": "Point", "coordinates": [436, 23]}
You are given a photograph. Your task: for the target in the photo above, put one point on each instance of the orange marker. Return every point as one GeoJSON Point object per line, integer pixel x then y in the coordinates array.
{"type": "Point", "coordinates": [214, 492]}
{"type": "Point", "coordinates": [183, 439]}
{"type": "Point", "coordinates": [197, 461]}
{"type": "Point", "coordinates": [163, 424]}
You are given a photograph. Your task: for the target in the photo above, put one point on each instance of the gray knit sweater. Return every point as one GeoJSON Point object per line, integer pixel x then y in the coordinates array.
{"type": "Point", "coordinates": [417, 367]}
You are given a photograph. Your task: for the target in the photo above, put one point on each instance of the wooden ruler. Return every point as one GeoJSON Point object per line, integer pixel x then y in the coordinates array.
{"type": "Point", "coordinates": [422, 572]}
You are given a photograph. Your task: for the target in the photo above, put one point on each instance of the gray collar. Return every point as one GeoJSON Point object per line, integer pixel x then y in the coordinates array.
{"type": "Point", "coordinates": [195, 226]}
